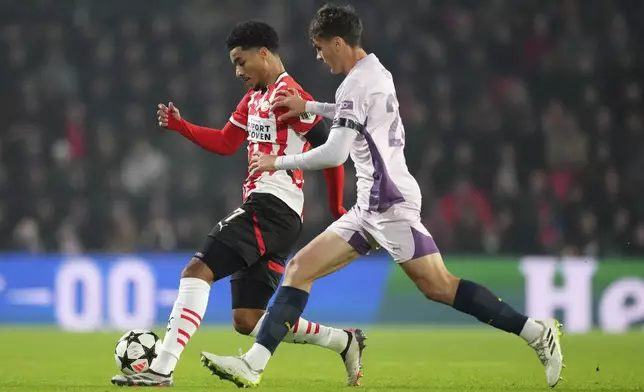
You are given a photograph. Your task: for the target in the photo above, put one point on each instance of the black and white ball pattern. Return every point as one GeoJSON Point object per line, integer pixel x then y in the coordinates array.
{"type": "Point", "coordinates": [136, 350]}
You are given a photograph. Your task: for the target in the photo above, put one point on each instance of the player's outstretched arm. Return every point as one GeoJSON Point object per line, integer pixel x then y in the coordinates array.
{"type": "Point", "coordinates": [289, 103]}
{"type": "Point", "coordinates": [332, 153]}
{"type": "Point", "coordinates": [324, 109]}
{"type": "Point", "coordinates": [223, 142]}
{"type": "Point", "coordinates": [351, 113]}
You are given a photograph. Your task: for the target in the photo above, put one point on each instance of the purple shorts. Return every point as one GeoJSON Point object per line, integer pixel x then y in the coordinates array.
{"type": "Point", "coordinates": [398, 230]}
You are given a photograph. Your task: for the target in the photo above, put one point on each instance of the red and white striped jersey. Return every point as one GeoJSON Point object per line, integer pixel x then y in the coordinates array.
{"type": "Point", "coordinates": [270, 136]}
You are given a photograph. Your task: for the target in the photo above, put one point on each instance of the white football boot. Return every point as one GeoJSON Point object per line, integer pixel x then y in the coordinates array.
{"type": "Point", "coordinates": [352, 356]}
{"type": "Point", "coordinates": [548, 348]}
{"type": "Point", "coordinates": [233, 369]}
{"type": "Point", "coordinates": [149, 378]}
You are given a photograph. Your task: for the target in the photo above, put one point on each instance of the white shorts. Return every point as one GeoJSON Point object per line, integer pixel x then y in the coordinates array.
{"type": "Point", "coordinates": [398, 230]}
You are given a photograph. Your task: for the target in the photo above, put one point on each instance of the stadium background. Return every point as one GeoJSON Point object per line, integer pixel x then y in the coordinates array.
{"type": "Point", "coordinates": [524, 128]}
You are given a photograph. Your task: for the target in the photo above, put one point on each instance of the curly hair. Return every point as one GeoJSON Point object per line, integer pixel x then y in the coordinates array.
{"type": "Point", "coordinates": [337, 21]}
{"type": "Point", "coordinates": [253, 34]}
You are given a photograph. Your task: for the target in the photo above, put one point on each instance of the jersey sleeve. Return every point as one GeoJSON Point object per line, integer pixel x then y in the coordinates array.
{"type": "Point", "coordinates": [239, 118]}
{"type": "Point", "coordinates": [303, 123]}
{"type": "Point", "coordinates": [351, 106]}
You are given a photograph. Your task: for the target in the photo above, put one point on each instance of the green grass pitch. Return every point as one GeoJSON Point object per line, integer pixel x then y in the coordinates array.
{"type": "Point", "coordinates": [396, 359]}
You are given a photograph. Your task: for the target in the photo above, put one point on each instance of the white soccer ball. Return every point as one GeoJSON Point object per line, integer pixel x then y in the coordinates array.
{"type": "Point", "coordinates": [136, 350]}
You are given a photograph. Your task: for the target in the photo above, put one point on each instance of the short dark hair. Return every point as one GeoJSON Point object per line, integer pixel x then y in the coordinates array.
{"type": "Point", "coordinates": [337, 21]}
{"type": "Point", "coordinates": [253, 34]}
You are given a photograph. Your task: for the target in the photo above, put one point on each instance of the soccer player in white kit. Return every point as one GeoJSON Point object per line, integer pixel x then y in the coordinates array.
{"type": "Point", "coordinates": [367, 126]}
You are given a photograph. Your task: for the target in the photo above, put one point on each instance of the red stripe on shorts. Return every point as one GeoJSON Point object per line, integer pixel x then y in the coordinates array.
{"type": "Point", "coordinates": [273, 266]}
{"type": "Point", "coordinates": [259, 237]}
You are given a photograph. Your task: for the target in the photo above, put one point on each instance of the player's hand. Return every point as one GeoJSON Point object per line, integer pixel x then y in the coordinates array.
{"type": "Point", "coordinates": [337, 214]}
{"type": "Point", "coordinates": [290, 100]}
{"type": "Point", "coordinates": [168, 115]}
{"type": "Point", "coordinates": [260, 162]}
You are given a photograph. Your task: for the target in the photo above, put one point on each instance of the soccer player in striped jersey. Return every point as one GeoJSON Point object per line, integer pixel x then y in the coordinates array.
{"type": "Point", "coordinates": [253, 242]}
{"type": "Point", "coordinates": [368, 127]}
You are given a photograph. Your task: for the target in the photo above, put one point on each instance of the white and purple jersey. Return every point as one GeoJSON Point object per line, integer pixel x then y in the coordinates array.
{"type": "Point", "coordinates": [366, 102]}
{"type": "Point", "coordinates": [387, 213]}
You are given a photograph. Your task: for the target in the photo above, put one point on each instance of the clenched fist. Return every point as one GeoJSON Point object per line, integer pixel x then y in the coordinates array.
{"type": "Point", "coordinates": [168, 115]}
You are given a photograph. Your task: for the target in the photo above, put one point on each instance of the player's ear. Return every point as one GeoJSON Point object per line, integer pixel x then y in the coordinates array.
{"type": "Point", "coordinates": [337, 42]}
{"type": "Point", "coordinates": [264, 52]}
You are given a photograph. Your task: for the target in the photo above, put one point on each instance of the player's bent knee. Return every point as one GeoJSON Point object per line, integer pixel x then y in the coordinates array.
{"type": "Point", "coordinates": [198, 269]}
{"type": "Point", "coordinates": [296, 275]}
{"type": "Point", "coordinates": [442, 288]}
{"type": "Point", "coordinates": [443, 293]}
{"type": "Point", "coordinates": [327, 253]}
{"type": "Point", "coordinates": [432, 278]}
{"type": "Point", "coordinates": [245, 320]}
{"type": "Point", "coordinates": [242, 326]}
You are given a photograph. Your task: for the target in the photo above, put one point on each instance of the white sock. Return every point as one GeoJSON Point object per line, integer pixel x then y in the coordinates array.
{"type": "Point", "coordinates": [531, 330]}
{"type": "Point", "coordinates": [188, 310]}
{"type": "Point", "coordinates": [305, 331]}
{"type": "Point", "coordinates": [257, 357]}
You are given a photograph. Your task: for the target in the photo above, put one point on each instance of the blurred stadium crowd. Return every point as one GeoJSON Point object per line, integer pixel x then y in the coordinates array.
{"type": "Point", "coordinates": [523, 120]}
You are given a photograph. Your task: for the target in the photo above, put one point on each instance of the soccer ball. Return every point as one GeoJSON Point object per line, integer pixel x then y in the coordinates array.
{"type": "Point", "coordinates": [136, 350]}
